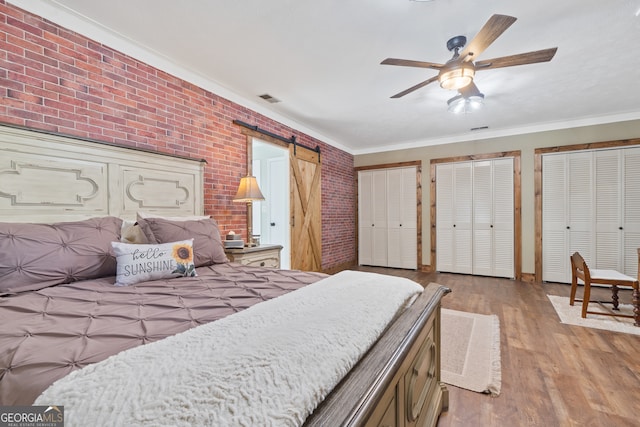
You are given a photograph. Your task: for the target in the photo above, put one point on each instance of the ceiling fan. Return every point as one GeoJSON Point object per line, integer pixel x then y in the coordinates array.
{"type": "Point", "coordinates": [458, 72]}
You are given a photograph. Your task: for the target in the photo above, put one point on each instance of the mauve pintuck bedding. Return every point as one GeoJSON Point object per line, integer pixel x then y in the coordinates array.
{"type": "Point", "coordinates": [46, 334]}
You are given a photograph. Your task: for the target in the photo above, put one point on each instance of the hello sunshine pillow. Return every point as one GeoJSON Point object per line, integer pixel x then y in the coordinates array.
{"type": "Point", "coordinates": [141, 262]}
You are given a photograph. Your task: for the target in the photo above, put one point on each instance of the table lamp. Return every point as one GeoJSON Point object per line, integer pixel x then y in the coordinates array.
{"type": "Point", "coordinates": [248, 191]}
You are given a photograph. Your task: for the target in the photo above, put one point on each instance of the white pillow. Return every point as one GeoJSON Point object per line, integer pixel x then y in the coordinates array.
{"type": "Point", "coordinates": [140, 262]}
{"type": "Point", "coordinates": [145, 215]}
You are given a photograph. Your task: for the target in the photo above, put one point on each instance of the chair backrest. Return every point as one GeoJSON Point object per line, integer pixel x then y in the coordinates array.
{"type": "Point", "coordinates": [579, 268]}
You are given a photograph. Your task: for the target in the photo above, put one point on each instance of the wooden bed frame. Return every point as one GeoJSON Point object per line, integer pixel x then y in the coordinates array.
{"type": "Point", "coordinates": [52, 178]}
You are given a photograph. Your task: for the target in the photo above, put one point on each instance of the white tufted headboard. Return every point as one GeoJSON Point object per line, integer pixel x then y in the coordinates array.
{"type": "Point", "coordinates": [51, 178]}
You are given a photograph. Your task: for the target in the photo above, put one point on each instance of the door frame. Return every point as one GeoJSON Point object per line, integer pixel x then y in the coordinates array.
{"type": "Point", "coordinates": [251, 132]}
{"type": "Point", "coordinates": [264, 177]}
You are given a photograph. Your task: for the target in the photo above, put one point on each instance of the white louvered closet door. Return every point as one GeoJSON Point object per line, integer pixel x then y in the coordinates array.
{"type": "Point", "coordinates": [493, 218]}
{"type": "Point", "coordinates": [503, 218]}
{"type": "Point", "coordinates": [580, 210]}
{"type": "Point", "coordinates": [365, 218]}
{"type": "Point", "coordinates": [444, 218]}
{"type": "Point", "coordinates": [608, 213]}
{"type": "Point", "coordinates": [631, 211]}
{"type": "Point", "coordinates": [387, 215]}
{"type": "Point", "coordinates": [483, 247]}
{"type": "Point", "coordinates": [372, 218]}
{"type": "Point", "coordinates": [463, 217]}
{"type": "Point", "coordinates": [602, 212]}
{"type": "Point", "coordinates": [474, 217]}
{"type": "Point", "coordinates": [567, 213]}
{"type": "Point", "coordinates": [402, 218]}
{"type": "Point", "coordinates": [554, 217]}
{"type": "Point", "coordinates": [379, 223]}
{"type": "Point", "coordinates": [617, 217]}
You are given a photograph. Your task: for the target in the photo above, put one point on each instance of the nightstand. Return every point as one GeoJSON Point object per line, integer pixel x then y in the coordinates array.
{"type": "Point", "coordinates": [258, 256]}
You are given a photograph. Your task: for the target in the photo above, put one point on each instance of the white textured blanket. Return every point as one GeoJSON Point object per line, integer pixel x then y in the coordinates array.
{"type": "Point", "coordinates": [269, 365]}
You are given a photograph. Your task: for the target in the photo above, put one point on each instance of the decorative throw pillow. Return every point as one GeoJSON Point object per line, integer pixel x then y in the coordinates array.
{"type": "Point", "coordinates": [207, 244]}
{"type": "Point", "coordinates": [35, 256]}
{"type": "Point", "coordinates": [132, 233]}
{"type": "Point", "coordinates": [141, 262]}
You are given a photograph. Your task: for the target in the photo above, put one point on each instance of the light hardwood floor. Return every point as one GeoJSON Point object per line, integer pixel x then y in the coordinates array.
{"type": "Point", "coordinates": [552, 374]}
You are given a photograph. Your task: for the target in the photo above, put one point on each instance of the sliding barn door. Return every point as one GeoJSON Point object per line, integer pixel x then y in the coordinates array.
{"type": "Point", "coordinates": [306, 220]}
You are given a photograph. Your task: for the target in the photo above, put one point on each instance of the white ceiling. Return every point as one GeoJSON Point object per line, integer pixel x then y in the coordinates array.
{"type": "Point", "coordinates": [322, 60]}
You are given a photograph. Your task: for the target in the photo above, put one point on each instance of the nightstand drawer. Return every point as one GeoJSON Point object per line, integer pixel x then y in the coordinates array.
{"type": "Point", "coordinates": [258, 256]}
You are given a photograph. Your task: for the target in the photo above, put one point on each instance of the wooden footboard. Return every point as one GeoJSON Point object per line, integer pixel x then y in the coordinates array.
{"type": "Point", "coordinates": [397, 383]}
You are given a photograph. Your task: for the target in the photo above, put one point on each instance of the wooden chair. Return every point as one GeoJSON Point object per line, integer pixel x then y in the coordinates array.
{"type": "Point", "coordinates": [580, 271]}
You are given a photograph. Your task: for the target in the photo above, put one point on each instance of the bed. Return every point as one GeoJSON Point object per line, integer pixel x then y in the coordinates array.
{"type": "Point", "coordinates": [115, 293]}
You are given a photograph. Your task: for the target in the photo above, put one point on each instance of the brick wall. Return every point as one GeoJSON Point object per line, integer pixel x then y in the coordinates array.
{"type": "Point", "coordinates": [57, 80]}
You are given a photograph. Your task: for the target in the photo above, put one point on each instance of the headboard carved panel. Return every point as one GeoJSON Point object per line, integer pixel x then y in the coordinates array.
{"type": "Point", "coordinates": [48, 178]}
{"type": "Point", "coordinates": [148, 189]}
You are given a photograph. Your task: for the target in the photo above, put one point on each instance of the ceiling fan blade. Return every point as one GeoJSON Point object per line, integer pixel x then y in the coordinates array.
{"type": "Point", "coordinates": [410, 63]}
{"type": "Point", "coordinates": [416, 87]}
{"type": "Point", "coordinates": [543, 55]}
{"type": "Point", "coordinates": [495, 26]}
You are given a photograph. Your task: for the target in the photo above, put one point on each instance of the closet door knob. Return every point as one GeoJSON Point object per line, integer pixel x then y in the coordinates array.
{"type": "Point", "coordinates": [619, 228]}
{"type": "Point", "coordinates": [568, 227]}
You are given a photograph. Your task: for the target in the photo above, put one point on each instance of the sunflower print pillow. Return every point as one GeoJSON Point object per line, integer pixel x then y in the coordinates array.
{"type": "Point", "coordinates": [140, 263]}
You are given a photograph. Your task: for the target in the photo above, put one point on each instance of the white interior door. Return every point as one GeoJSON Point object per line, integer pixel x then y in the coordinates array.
{"type": "Point", "coordinates": [554, 218]}
{"type": "Point", "coordinates": [444, 218]}
{"type": "Point", "coordinates": [365, 218]}
{"type": "Point", "coordinates": [379, 223]}
{"type": "Point", "coordinates": [631, 211]}
{"type": "Point", "coordinates": [502, 218]}
{"type": "Point", "coordinates": [608, 215]}
{"type": "Point", "coordinates": [271, 168]}
{"type": "Point", "coordinates": [402, 218]}
{"type": "Point", "coordinates": [463, 217]}
{"type": "Point", "coordinates": [276, 223]}
{"type": "Point", "coordinates": [483, 248]}
{"type": "Point", "coordinates": [580, 209]}
{"type": "Point", "coordinates": [474, 217]}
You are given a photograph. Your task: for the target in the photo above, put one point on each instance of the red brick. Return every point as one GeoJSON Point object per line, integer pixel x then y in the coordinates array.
{"type": "Point", "coordinates": [61, 42]}
{"type": "Point", "coordinates": [25, 114]}
{"type": "Point", "coordinates": [70, 124]}
{"type": "Point", "coordinates": [37, 57]}
{"type": "Point", "coordinates": [111, 97]}
{"type": "Point", "coordinates": [11, 93]}
{"type": "Point", "coordinates": [24, 26]}
{"type": "Point", "coordinates": [7, 82]}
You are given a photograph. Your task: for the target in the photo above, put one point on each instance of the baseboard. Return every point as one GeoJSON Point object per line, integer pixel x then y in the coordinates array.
{"type": "Point", "coordinates": [528, 277]}
{"type": "Point", "coordinates": [340, 267]}
{"type": "Point", "coordinates": [426, 269]}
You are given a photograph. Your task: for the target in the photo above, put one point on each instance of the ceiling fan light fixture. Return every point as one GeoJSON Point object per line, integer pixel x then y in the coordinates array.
{"type": "Point", "coordinates": [456, 77]}
{"type": "Point", "coordinates": [460, 104]}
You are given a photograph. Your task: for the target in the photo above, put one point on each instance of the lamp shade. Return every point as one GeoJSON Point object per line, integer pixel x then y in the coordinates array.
{"type": "Point", "coordinates": [454, 76]}
{"type": "Point", "coordinates": [248, 190]}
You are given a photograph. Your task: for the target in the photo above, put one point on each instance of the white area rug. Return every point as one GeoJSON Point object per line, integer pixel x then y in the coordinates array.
{"type": "Point", "coordinates": [572, 315]}
{"type": "Point", "coordinates": [470, 352]}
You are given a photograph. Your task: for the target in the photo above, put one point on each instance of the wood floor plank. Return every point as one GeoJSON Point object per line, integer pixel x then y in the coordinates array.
{"type": "Point", "coordinates": [552, 374]}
